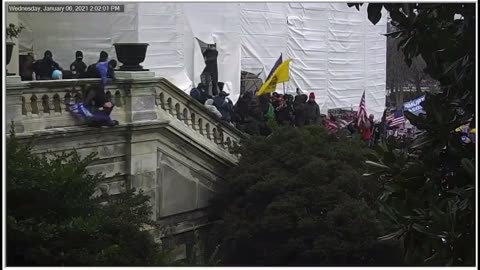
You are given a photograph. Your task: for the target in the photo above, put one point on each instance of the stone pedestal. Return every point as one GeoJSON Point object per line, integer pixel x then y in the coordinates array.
{"type": "Point", "coordinates": [134, 75]}
{"type": "Point", "coordinates": [13, 79]}
{"type": "Point", "coordinates": [13, 67]}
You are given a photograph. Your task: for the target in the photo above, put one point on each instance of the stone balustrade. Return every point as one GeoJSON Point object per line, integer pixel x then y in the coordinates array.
{"type": "Point", "coordinates": [37, 106]}
{"type": "Point", "coordinates": [167, 144]}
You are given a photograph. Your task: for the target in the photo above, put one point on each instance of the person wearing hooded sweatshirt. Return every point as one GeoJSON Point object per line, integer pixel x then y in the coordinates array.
{"type": "Point", "coordinates": [44, 68]}
{"type": "Point", "coordinates": [312, 111]}
{"type": "Point", "coordinates": [199, 93]}
{"type": "Point", "coordinates": [78, 67]}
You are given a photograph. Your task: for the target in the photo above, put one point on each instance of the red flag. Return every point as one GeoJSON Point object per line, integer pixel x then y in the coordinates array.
{"type": "Point", "coordinates": [362, 113]}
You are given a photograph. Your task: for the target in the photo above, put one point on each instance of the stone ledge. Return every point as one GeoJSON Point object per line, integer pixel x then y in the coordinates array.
{"type": "Point", "coordinates": [14, 79]}
{"type": "Point", "coordinates": [134, 75]}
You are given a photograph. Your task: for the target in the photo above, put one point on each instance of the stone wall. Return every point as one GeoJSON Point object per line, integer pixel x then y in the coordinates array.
{"type": "Point", "coordinates": [166, 144]}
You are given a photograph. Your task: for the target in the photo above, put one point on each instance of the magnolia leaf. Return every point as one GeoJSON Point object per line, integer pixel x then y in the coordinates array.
{"type": "Point", "coordinates": [374, 12]}
{"type": "Point", "coordinates": [422, 229]}
{"type": "Point", "coordinates": [421, 141]}
{"type": "Point", "coordinates": [394, 34]}
{"type": "Point", "coordinates": [372, 173]}
{"type": "Point", "coordinates": [376, 164]}
{"type": "Point", "coordinates": [356, 5]}
{"type": "Point", "coordinates": [391, 235]}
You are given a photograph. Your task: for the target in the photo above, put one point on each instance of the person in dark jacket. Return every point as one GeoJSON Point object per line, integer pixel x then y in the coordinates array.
{"type": "Point", "coordinates": [224, 106]}
{"type": "Point", "coordinates": [282, 112]}
{"type": "Point", "coordinates": [211, 69]}
{"type": "Point", "coordinates": [299, 107]}
{"type": "Point", "coordinates": [289, 100]}
{"type": "Point", "coordinates": [312, 111]}
{"type": "Point", "coordinates": [97, 102]}
{"type": "Point", "coordinates": [78, 67]}
{"type": "Point", "coordinates": [240, 110]}
{"type": "Point", "coordinates": [26, 67]}
{"type": "Point", "coordinates": [44, 67]}
{"type": "Point", "coordinates": [92, 71]}
{"type": "Point", "coordinates": [199, 93]}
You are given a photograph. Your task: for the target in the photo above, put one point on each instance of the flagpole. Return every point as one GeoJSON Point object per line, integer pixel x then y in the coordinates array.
{"type": "Point", "coordinates": [284, 92]}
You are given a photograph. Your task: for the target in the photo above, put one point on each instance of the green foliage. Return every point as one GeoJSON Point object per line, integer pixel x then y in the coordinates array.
{"type": "Point", "coordinates": [298, 197]}
{"type": "Point", "coordinates": [53, 219]}
{"type": "Point", "coordinates": [12, 31]}
{"type": "Point", "coordinates": [429, 188]}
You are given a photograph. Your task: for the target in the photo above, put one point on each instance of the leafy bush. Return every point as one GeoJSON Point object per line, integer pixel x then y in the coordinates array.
{"type": "Point", "coordinates": [429, 195]}
{"type": "Point", "coordinates": [297, 197]}
{"type": "Point", "coordinates": [53, 220]}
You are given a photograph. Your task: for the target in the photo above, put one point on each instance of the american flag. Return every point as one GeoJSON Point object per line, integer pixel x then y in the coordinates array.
{"type": "Point", "coordinates": [362, 112]}
{"type": "Point", "coordinates": [395, 119]}
{"type": "Point", "coordinates": [331, 125]}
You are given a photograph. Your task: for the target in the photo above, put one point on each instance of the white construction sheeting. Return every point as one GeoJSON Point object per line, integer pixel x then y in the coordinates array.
{"type": "Point", "coordinates": [337, 53]}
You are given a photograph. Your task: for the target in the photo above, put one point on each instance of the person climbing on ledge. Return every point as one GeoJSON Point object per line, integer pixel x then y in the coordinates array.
{"type": "Point", "coordinates": [95, 109]}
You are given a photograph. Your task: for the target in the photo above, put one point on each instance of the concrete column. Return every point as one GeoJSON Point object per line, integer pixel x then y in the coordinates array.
{"type": "Point", "coordinates": [13, 110]}
{"type": "Point", "coordinates": [139, 98]}
{"type": "Point", "coordinates": [142, 167]}
{"type": "Point", "coordinates": [141, 150]}
{"type": "Point", "coordinates": [13, 67]}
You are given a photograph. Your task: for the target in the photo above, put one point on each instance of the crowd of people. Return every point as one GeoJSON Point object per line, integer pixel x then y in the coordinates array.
{"type": "Point", "coordinates": [48, 69]}
{"type": "Point", "coordinates": [251, 114]}
{"type": "Point", "coordinates": [96, 107]}
{"type": "Point", "coordinates": [254, 114]}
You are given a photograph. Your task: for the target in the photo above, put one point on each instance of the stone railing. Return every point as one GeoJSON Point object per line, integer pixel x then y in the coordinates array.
{"type": "Point", "coordinates": [40, 105]}
{"type": "Point", "coordinates": [193, 114]}
{"type": "Point", "coordinates": [37, 106]}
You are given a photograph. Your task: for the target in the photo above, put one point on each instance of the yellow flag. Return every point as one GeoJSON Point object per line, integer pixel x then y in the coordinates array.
{"type": "Point", "coordinates": [281, 74]}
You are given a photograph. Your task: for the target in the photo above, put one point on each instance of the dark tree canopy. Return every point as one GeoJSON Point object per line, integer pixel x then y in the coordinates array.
{"type": "Point", "coordinates": [298, 198]}
{"type": "Point", "coordinates": [429, 196]}
{"type": "Point", "coordinates": [53, 220]}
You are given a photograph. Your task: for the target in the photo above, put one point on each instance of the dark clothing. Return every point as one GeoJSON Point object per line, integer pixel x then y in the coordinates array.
{"type": "Point", "coordinates": [26, 67]}
{"type": "Point", "coordinates": [96, 97]}
{"type": "Point", "coordinates": [78, 69]}
{"type": "Point", "coordinates": [312, 113]}
{"type": "Point", "coordinates": [211, 70]}
{"type": "Point", "coordinates": [211, 60]}
{"type": "Point", "coordinates": [240, 110]}
{"type": "Point", "coordinates": [91, 71]}
{"type": "Point", "coordinates": [100, 70]}
{"type": "Point", "coordinates": [299, 106]}
{"type": "Point", "coordinates": [224, 106]}
{"type": "Point", "coordinates": [199, 94]}
{"type": "Point", "coordinates": [284, 115]}
{"type": "Point", "coordinates": [44, 68]}
{"type": "Point", "coordinates": [210, 79]}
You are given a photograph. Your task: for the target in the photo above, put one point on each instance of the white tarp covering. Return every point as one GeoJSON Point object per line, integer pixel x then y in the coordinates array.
{"type": "Point", "coordinates": [337, 53]}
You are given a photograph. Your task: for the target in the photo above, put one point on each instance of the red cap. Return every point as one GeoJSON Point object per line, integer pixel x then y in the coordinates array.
{"type": "Point", "coordinates": [312, 95]}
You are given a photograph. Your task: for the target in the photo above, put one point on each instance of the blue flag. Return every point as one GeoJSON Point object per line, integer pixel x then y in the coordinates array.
{"type": "Point", "coordinates": [275, 66]}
